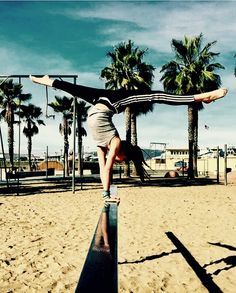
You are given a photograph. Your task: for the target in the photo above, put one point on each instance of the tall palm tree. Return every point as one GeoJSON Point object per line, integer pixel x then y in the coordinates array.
{"type": "Point", "coordinates": [30, 115]}
{"type": "Point", "coordinates": [11, 97]}
{"type": "Point", "coordinates": [64, 105]}
{"type": "Point", "coordinates": [81, 116]}
{"type": "Point", "coordinates": [128, 71]}
{"type": "Point", "coordinates": [191, 72]}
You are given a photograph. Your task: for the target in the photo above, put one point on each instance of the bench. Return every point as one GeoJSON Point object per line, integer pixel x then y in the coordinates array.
{"type": "Point", "coordinates": [24, 174]}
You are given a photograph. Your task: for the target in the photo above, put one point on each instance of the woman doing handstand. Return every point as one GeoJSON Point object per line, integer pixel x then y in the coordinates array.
{"type": "Point", "coordinates": [106, 103]}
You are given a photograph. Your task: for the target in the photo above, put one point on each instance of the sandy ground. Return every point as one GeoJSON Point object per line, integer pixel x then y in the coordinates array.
{"type": "Point", "coordinates": [45, 237]}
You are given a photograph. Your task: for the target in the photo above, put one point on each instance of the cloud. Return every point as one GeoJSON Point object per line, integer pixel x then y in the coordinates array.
{"type": "Point", "coordinates": [16, 59]}
{"type": "Point", "coordinates": [155, 24]}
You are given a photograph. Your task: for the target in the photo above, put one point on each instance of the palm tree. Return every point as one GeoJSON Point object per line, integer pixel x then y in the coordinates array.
{"type": "Point", "coordinates": [192, 72]}
{"type": "Point", "coordinates": [11, 97]}
{"type": "Point", "coordinates": [64, 105]}
{"type": "Point", "coordinates": [128, 71]}
{"type": "Point", "coordinates": [81, 115]}
{"type": "Point", "coordinates": [30, 115]}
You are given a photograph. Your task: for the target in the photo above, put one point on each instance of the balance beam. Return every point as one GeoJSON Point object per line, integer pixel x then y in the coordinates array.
{"type": "Point", "coordinates": [99, 273]}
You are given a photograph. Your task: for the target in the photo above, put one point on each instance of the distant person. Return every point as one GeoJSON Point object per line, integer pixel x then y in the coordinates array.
{"type": "Point", "coordinates": [70, 162]}
{"type": "Point", "coordinates": [106, 103]}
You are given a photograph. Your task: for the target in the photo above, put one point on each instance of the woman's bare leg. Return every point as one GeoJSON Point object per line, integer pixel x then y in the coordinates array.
{"type": "Point", "coordinates": [107, 171]}
{"type": "Point", "coordinates": [105, 174]}
{"type": "Point", "coordinates": [211, 96]}
{"type": "Point", "coordinates": [102, 161]}
{"type": "Point", "coordinates": [45, 80]}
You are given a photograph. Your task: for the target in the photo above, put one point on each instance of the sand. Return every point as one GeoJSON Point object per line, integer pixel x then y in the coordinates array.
{"type": "Point", "coordinates": [45, 238]}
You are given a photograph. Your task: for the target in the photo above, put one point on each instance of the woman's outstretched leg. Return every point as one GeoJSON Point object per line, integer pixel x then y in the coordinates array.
{"type": "Point", "coordinates": [210, 96]}
{"type": "Point", "coordinates": [88, 94]}
{"type": "Point", "coordinates": [45, 80]}
{"type": "Point", "coordinates": [154, 96]}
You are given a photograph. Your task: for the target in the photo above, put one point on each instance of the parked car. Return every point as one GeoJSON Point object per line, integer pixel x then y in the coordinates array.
{"type": "Point", "coordinates": [181, 166]}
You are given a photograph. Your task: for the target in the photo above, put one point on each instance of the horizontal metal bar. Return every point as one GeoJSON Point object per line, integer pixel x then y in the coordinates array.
{"type": "Point", "coordinates": [99, 273]}
{"type": "Point", "coordinates": [39, 75]}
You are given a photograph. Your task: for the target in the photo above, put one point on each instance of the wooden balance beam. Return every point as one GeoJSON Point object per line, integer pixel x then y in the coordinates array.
{"type": "Point", "coordinates": [99, 273]}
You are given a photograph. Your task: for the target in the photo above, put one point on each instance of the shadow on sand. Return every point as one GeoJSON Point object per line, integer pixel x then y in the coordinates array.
{"type": "Point", "coordinates": [56, 185]}
{"type": "Point", "coordinates": [200, 271]}
{"type": "Point", "coordinates": [229, 262]}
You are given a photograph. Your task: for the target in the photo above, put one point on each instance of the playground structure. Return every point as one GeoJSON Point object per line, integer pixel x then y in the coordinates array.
{"type": "Point", "coordinates": [157, 146]}
{"type": "Point", "coordinates": [18, 168]}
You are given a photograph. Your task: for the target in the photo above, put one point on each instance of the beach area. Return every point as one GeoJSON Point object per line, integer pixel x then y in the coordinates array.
{"type": "Point", "coordinates": [45, 238]}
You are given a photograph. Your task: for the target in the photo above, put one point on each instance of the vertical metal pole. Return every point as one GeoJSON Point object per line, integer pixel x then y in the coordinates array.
{"type": "Point", "coordinates": [225, 157]}
{"type": "Point", "coordinates": [81, 166]}
{"type": "Point", "coordinates": [19, 132]}
{"type": "Point", "coordinates": [64, 162]}
{"type": "Point", "coordinates": [4, 158]}
{"type": "Point", "coordinates": [204, 167]}
{"type": "Point", "coordinates": [165, 154]}
{"type": "Point", "coordinates": [217, 165]}
{"type": "Point", "coordinates": [74, 141]}
{"type": "Point", "coordinates": [47, 162]}
{"type": "Point", "coordinates": [19, 128]}
{"type": "Point", "coordinates": [207, 168]}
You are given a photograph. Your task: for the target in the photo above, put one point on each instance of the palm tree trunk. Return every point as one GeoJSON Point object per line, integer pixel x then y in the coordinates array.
{"type": "Point", "coordinates": [80, 156]}
{"type": "Point", "coordinates": [79, 126]}
{"type": "Point", "coordinates": [11, 143]}
{"type": "Point", "coordinates": [128, 137]}
{"type": "Point", "coordinates": [195, 142]}
{"type": "Point", "coordinates": [190, 142]}
{"type": "Point", "coordinates": [66, 158]}
{"type": "Point", "coordinates": [66, 147]}
{"type": "Point", "coordinates": [30, 151]}
{"type": "Point", "coordinates": [134, 138]}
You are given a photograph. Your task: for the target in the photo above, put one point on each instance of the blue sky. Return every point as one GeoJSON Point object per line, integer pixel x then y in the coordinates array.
{"type": "Point", "coordinates": [63, 37]}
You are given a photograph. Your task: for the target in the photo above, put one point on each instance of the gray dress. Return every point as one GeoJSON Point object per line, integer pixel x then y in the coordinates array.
{"type": "Point", "coordinates": [101, 126]}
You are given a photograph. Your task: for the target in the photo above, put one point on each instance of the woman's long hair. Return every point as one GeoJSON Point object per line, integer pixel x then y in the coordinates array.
{"type": "Point", "coordinates": [135, 154]}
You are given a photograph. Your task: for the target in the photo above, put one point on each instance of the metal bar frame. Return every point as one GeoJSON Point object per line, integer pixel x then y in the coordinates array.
{"type": "Point", "coordinates": [74, 76]}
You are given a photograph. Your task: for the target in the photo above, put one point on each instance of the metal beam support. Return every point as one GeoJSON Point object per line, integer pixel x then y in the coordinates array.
{"type": "Point", "coordinates": [39, 75]}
